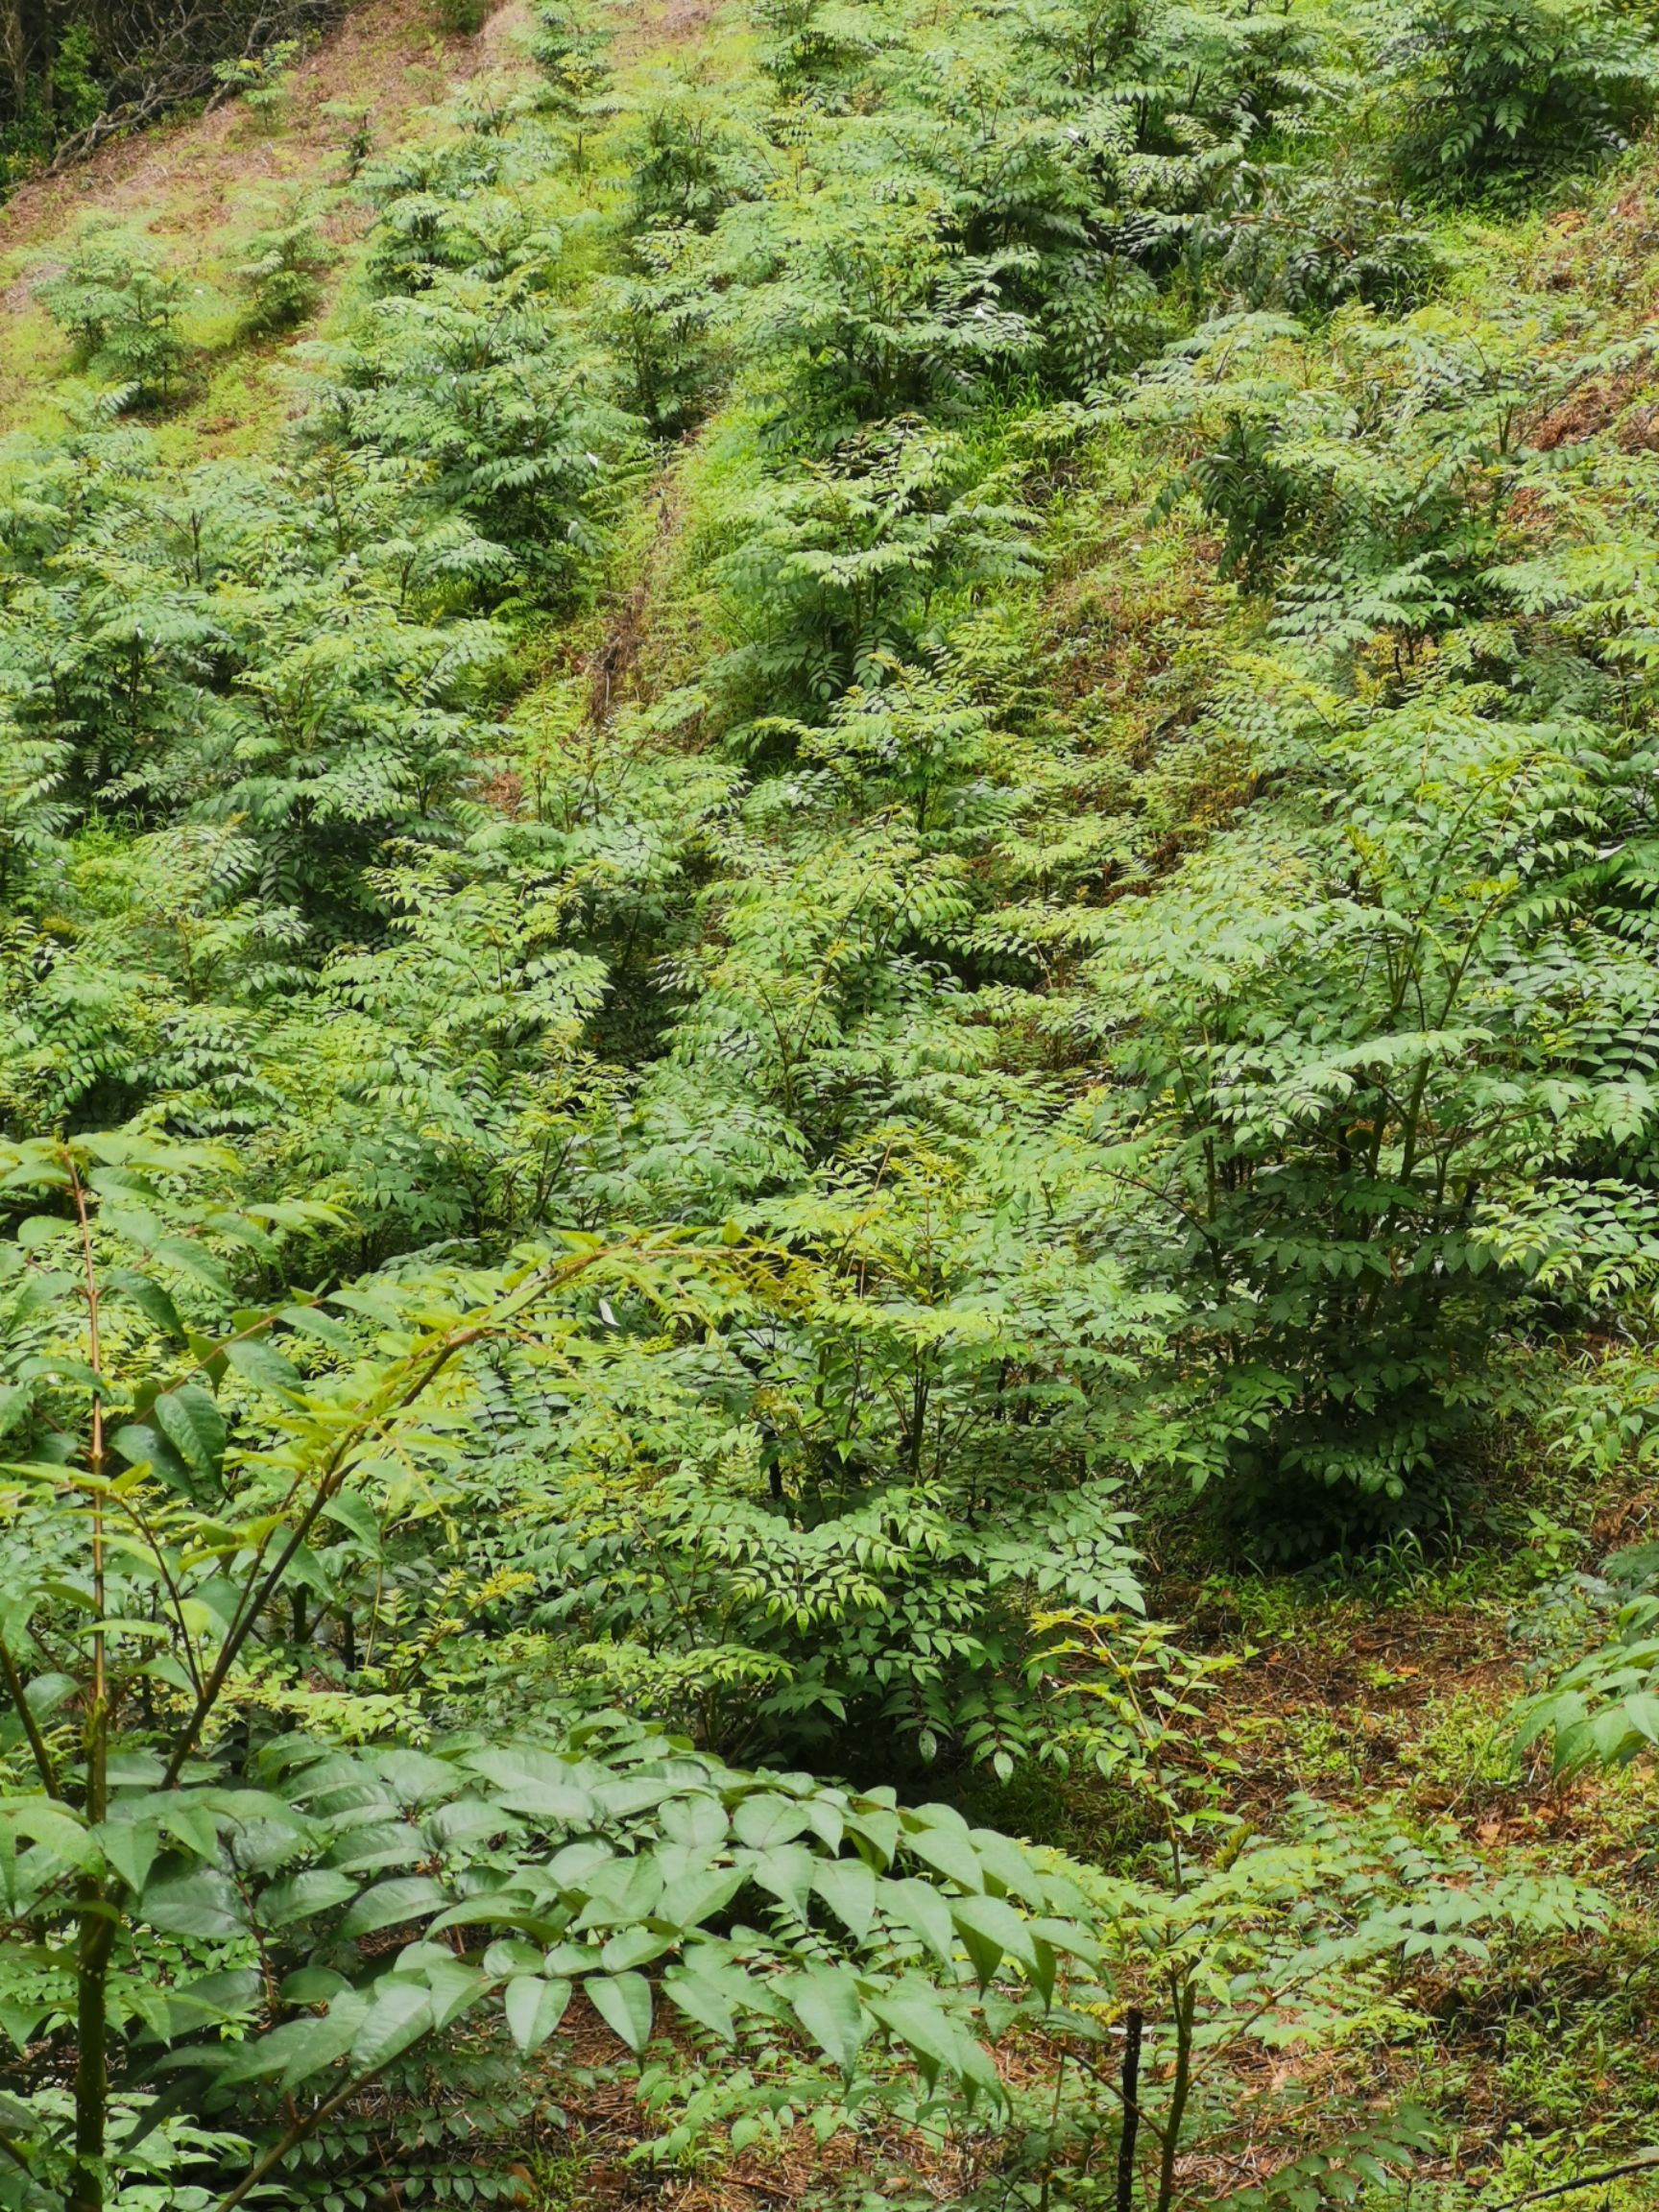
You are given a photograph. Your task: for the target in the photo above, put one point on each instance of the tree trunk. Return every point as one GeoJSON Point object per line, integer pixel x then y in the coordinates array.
{"type": "Point", "coordinates": [29, 55]}
{"type": "Point", "coordinates": [91, 2058]}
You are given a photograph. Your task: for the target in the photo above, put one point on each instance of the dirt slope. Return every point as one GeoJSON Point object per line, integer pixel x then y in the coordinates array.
{"type": "Point", "coordinates": [201, 183]}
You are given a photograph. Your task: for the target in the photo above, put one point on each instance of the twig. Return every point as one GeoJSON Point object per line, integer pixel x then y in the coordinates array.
{"type": "Point", "coordinates": [1638, 2165]}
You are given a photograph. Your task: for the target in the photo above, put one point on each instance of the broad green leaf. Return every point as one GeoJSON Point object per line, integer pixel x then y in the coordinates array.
{"type": "Point", "coordinates": [827, 2006]}
{"type": "Point", "coordinates": [510, 1955]}
{"type": "Point", "coordinates": [189, 1821]}
{"type": "Point", "coordinates": [700, 1999]}
{"type": "Point", "coordinates": [188, 1257]}
{"type": "Point", "coordinates": [313, 1985]}
{"type": "Point", "coordinates": [130, 1846]}
{"type": "Point", "coordinates": [204, 1903]}
{"type": "Point", "coordinates": [454, 1984]}
{"type": "Point", "coordinates": [23, 2022]}
{"type": "Point", "coordinates": [193, 1425]}
{"type": "Point", "coordinates": [560, 1802]}
{"type": "Point", "coordinates": [311, 1321]}
{"type": "Point", "coordinates": [765, 1819]}
{"type": "Point", "coordinates": [918, 2021]}
{"type": "Point", "coordinates": [636, 1947]}
{"type": "Point", "coordinates": [138, 1443]}
{"type": "Point", "coordinates": [399, 2013]}
{"type": "Point", "coordinates": [38, 1229]}
{"type": "Point", "coordinates": [534, 2008]}
{"type": "Point", "coordinates": [622, 1891]}
{"type": "Point", "coordinates": [786, 1872]}
{"type": "Point", "coordinates": [699, 1822]}
{"type": "Point", "coordinates": [948, 1850]}
{"type": "Point", "coordinates": [315, 2045]}
{"type": "Point", "coordinates": [632, 1793]}
{"type": "Point", "coordinates": [918, 1906]}
{"type": "Point", "coordinates": [151, 1300]}
{"type": "Point", "coordinates": [848, 1887]}
{"type": "Point", "coordinates": [301, 1897]}
{"type": "Point", "coordinates": [53, 1827]}
{"type": "Point", "coordinates": [690, 1898]}
{"type": "Point", "coordinates": [388, 1904]}
{"type": "Point", "coordinates": [353, 1512]}
{"type": "Point", "coordinates": [15, 1400]}
{"type": "Point", "coordinates": [875, 1832]}
{"type": "Point", "coordinates": [213, 2000]}
{"type": "Point", "coordinates": [623, 2002]}
{"type": "Point", "coordinates": [1002, 1861]}
{"type": "Point", "coordinates": [988, 1928]}
{"type": "Point", "coordinates": [261, 1364]}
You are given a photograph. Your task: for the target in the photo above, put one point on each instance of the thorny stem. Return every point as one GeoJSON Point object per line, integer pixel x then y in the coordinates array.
{"type": "Point", "coordinates": [1185, 2003]}
{"type": "Point", "coordinates": [1133, 2026]}
{"type": "Point", "coordinates": [96, 1916]}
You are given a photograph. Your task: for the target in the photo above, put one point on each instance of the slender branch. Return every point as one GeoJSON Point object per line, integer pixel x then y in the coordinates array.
{"type": "Point", "coordinates": [174, 1594]}
{"type": "Point", "coordinates": [37, 1743]}
{"type": "Point", "coordinates": [262, 1588]}
{"type": "Point", "coordinates": [1638, 2165]}
{"type": "Point", "coordinates": [297, 2134]}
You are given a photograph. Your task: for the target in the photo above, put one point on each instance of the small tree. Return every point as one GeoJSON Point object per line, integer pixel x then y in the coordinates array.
{"type": "Point", "coordinates": [1502, 92]}
{"type": "Point", "coordinates": [282, 278]}
{"type": "Point", "coordinates": [122, 312]}
{"type": "Point", "coordinates": [1227, 1939]}
{"type": "Point", "coordinates": [265, 82]}
{"type": "Point", "coordinates": [353, 124]}
{"type": "Point", "coordinates": [176, 1864]}
{"type": "Point", "coordinates": [574, 56]}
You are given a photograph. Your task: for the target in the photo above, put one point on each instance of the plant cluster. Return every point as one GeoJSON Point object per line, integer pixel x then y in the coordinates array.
{"type": "Point", "coordinates": [912, 812]}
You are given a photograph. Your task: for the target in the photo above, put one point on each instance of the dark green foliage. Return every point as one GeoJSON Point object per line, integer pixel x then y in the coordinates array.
{"type": "Point", "coordinates": [1367, 1083]}
{"type": "Point", "coordinates": [122, 311]}
{"type": "Point", "coordinates": [570, 46]}
{"type": "Point", "coordinates": [283, 275]}
{"type": "Point", "coordinates": [57, 99]}
{"type": "Point", "coordinates": [910, 813]}
{"type": "Point", "coordinates": [477, 388]}
{"type": "Point", "coordinates": [1242, 484]}
{"type": "Point", "coordinates": [839, 578]}
{"type": "Point", "coordinates": [687, 162]}
{"type": "Point", "coordinates": [657, 325]}
{"type": "Point", "coordinates": [1501, 93]}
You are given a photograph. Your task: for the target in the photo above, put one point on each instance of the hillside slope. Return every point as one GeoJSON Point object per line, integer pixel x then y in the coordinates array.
{"type": "Point", "coordinates": [828, 1115]}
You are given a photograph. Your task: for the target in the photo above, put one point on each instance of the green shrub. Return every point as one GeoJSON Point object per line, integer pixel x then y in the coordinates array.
{"type": "Point", "coordinates": [189, 1543]}
{"type": "Point", "coordinates": [571, 47]}
{"type": "Point", "coordinates": [460, 18]}
{"type": "Point", "coordinates": [1500, 94]}
{"type": "Point", "coordinates": [282, 278]}
{"type": "Point", "coordinates": [265, 81]}
{"type": "Point", "coordinates": [122, 312]}
{"type": "Point", "coordinates": [353, 121]}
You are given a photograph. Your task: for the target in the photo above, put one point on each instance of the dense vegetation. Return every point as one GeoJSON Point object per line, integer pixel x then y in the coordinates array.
{"type": "Point", "coordinates": [883, 907]}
